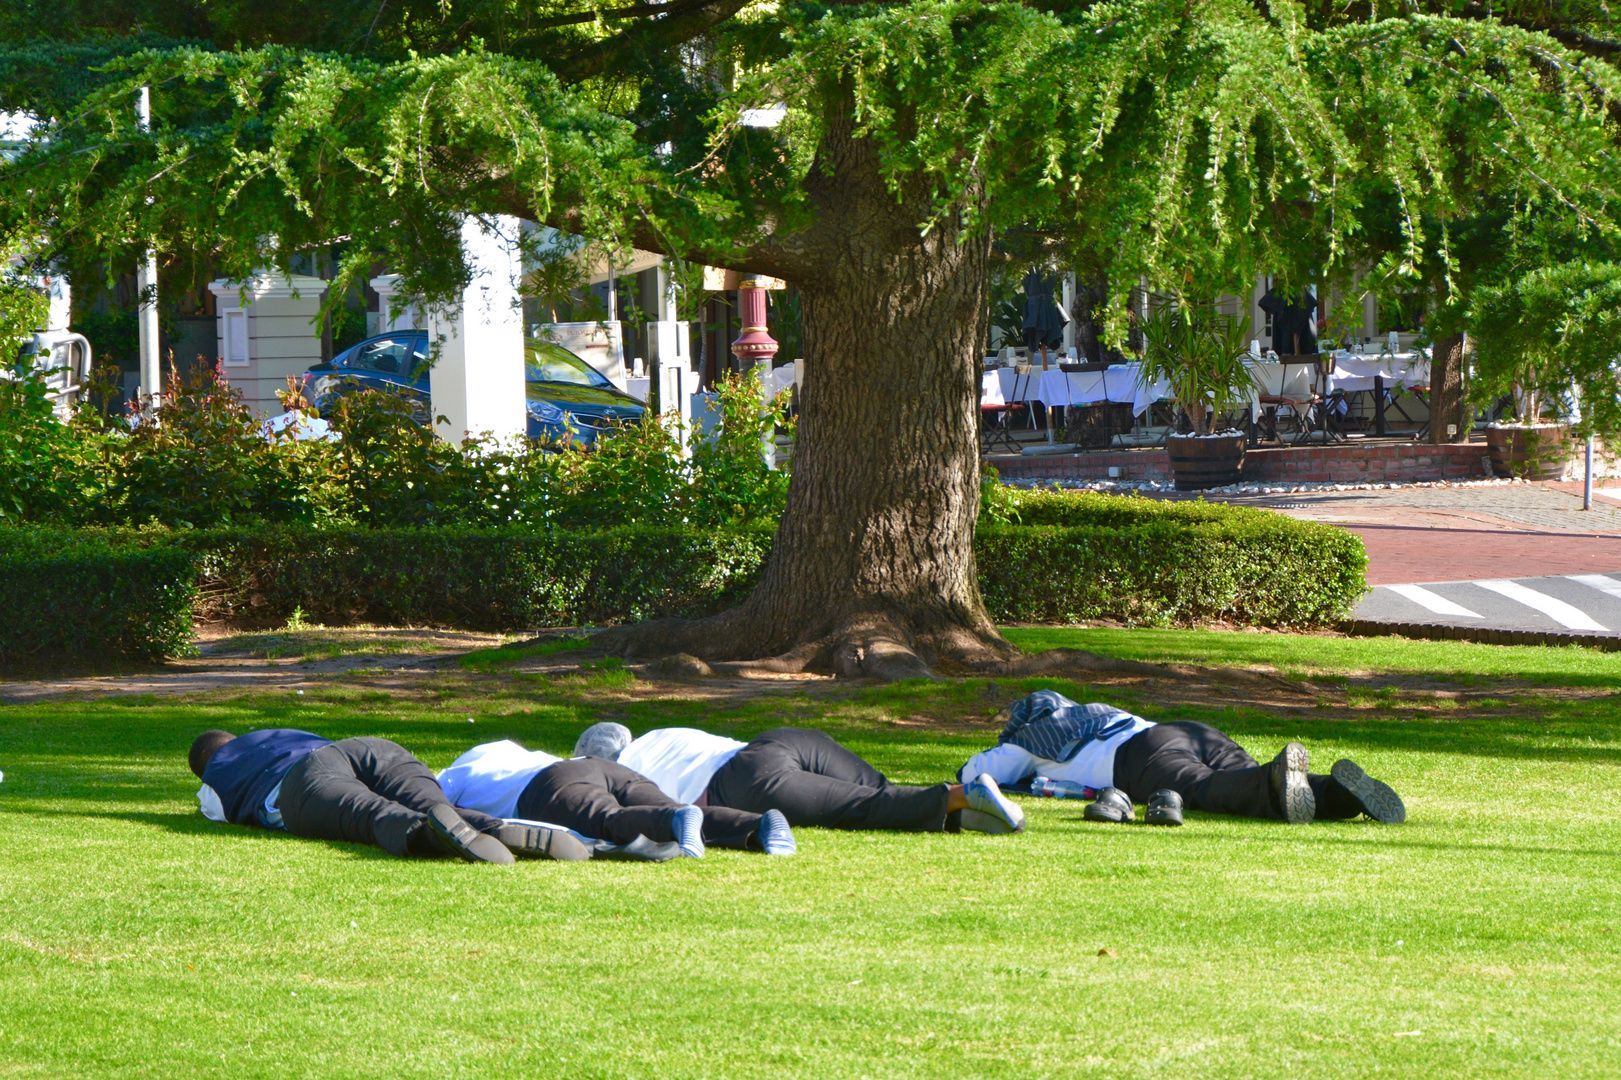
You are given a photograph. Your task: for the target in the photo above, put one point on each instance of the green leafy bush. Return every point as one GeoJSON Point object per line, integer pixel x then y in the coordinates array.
{"type": "Point", "coordinates": [1072, 558]}
{"type": "Point", "coordinates": [1082, 556]}
{"type": "Point", "coordinates": [476, 579]}
{"type": "Point", "coordinates": [77, 596]}
{"type": "Point", "coordinates": [49, 472]}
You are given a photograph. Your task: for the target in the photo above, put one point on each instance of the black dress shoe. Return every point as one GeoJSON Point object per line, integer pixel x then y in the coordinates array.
{"type": "Point", "coordinates": [1379, 800]}
{"type": "Point", "coordinates": [1291, 793]}
{"type": "Point", "coordinates": [458, 838]}
{"type": "Point", "coordinates": [539, 842]}
{"type": "Point", "coordinates": [1112, 805]}
{"type": "Point", "coordinates": [1164, 808]}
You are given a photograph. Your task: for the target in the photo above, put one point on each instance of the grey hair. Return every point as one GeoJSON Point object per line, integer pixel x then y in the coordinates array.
{"type": "Point", "coordinates": [605, 740]}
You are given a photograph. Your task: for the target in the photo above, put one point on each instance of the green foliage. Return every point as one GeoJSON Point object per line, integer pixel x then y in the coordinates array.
{"type": "Point", "coordinates": [474, 579]}
{"type": "Point", "coordinates": [1155, 563]}
{"type": "Point", "coordinates": [49, 472]}
{"type": "Point", "coordinates": [23, 309]}
{"type": "Point", "coordinates": [206, 462]}
{"type": "Point", "coordinates": [1189, 143]}
{"type": "Point", "coordinates": [1552, 329]}
{"type": "Point", "coordinates": [73, 596]}
{"type": "Point", "coordinates": [1076, 557]}
{"type": "Point", "coordinates": [1199, 350]}
{"type": "Point", "coordinates": [737, 485]}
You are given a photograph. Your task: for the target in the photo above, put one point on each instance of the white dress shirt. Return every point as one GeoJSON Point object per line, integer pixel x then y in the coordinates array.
{"type": "Point", "coordinates": [208, 801]}
{"type": "Point", "coordinates": [1093, 767]}
{"type": "Point", "coordinates": [490, 777]}
{"type": "Point", "coordinates": [679, 760]}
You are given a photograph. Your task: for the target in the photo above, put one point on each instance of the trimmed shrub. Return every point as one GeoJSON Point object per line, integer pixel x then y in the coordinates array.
{"type": "Point", "coordinates": [1082, 556]}
{"type": "Point", "coordinates": [1086, 557]}
{"type": "Point", "coordinates": [76, 596]}
{"type": "Point", "coordinates": [472, 579]}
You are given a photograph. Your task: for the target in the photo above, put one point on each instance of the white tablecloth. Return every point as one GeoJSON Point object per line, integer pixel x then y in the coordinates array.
{"type": "Point", "coordinates": [1054, 387]}
{"type": "Point", "coordinates": [1353, 373]}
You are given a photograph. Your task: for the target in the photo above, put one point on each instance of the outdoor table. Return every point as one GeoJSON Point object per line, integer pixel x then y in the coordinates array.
{"type": "Point", "coordinates": [1116, 383]}
{"type": "Point", "coordinates": [1377, 374]}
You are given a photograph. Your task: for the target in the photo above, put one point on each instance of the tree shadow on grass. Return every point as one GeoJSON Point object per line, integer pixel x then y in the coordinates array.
{"type": "Point", "coordinates": [196, 825]}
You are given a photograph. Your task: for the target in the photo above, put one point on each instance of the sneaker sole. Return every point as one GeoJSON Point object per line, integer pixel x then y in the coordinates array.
{"type": "Point", "coordinates": [536, 843]}
{"type": "Point", "coordinates": [979, 821]}
{"type": "Point", "coordinates": [1163, 817]}
{"type": "Point", "coordinates": [1299, 804]}
{"type": "Point", "coordinates": [993, 803]}
{"type": "Point", "coordinates": [1379, 800]}
{"type": "Point", "coordinates": [1092, 813]}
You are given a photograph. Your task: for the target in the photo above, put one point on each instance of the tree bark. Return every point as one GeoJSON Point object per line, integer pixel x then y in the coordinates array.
{"type": "Point", "coordinates": [872, 571]}
{"type": "Point", "coordinates": [1446, 389]}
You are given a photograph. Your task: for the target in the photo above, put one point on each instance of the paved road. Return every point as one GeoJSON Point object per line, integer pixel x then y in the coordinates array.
{"type": "Point", "coordinates": [1583, 603]}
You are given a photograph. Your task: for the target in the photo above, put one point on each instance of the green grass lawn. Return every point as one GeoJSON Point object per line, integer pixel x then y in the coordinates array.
{"type": "Point", "coordinates": [1461, 662]}
{"type": "Point", "coordinates": [1483, 938]}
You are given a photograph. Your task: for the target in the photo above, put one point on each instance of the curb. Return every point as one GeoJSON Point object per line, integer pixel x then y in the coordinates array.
{"type": "Point", "coordinates": [1482, 635]}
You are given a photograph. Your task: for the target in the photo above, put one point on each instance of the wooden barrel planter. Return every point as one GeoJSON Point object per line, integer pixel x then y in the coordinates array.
{"type": "Point", "coordinates": [1530, 453]}
{"type": "Point", "coordinates": [1206, 462]}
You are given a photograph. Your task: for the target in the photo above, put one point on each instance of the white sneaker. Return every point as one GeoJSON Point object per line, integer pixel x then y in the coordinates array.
{"type": "Point", "coordinates": [985, 797]}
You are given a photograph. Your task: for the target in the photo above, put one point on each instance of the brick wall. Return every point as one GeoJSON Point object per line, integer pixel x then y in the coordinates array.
{"type": "Point", "coordinates": [1344, 463]}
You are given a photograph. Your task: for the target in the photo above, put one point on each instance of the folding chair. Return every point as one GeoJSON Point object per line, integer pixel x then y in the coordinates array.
{"type": "Point", "coordinates": [996, 421]}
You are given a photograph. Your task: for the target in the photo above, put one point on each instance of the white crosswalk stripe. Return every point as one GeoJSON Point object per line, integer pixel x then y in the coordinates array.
{"type": "Point", "coordinates": [1607, 585]}
{"type": "Point", "coordinates": [1571, 618]}
{"type": "Point", "coordinates": [1433, 601]}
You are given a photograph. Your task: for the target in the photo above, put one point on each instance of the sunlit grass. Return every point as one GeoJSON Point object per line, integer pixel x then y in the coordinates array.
{"type": "Point", "coordinates": [1480, 939]}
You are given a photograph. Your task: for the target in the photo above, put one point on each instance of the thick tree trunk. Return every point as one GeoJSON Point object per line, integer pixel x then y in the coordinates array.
{"type": "Point", "coordinates": [1446, 389]}
{"type": "Point", "coordinates": [872, 572]}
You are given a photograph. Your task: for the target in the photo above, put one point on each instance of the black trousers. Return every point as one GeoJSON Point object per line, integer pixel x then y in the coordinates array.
{"type": "Point", "coordinates": [816, 782]}
{"type": "Point", "coordinates": [1210, 772]}
{"type": "Point", "coordinates": [606, 801]}
{"type": "Point", "coordinates": [365, 791]}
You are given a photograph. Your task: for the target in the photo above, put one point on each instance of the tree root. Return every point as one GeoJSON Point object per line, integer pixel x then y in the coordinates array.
{"type": "Point", "coordinates": [867, 645]}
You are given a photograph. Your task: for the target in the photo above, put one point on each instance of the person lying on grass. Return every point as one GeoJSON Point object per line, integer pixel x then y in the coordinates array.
{"type": "Point", "coordinates": [601, 799]}
{"type": "Point", "coordinates": [802, 772]}
{"type": "Point", "coordinates": [1124, 759]}
{"type": "Point", "coordinates": [364, 791]}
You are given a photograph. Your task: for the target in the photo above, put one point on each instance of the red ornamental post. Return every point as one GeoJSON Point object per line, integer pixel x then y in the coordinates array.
{"type": "Point", "coordinates": [755, 344]}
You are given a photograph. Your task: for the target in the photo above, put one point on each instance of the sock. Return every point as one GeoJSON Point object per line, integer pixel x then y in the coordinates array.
{"type": "Point", "coordinates": [688, 826]}
{"type": "Point", "coordinates": [776, 838]}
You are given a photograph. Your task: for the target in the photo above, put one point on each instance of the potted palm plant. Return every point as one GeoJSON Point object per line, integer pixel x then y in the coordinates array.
{"type": "Point", "coordinates": [1529, 446]}
{"type": "Point", "coordinates": [1199, 351]}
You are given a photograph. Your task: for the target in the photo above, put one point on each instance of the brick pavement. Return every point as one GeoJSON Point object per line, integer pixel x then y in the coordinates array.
{"type": "Point", "coordinates": [1463, 533]}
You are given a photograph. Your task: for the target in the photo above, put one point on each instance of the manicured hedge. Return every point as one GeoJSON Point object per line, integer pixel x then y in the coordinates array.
{"type": "Point", "coordinates": [1075, 557]}
{"type": "Point", "coordinates": [472, 579]}
{"type": "Point", "coordinates": [1071, 558]}
{"type": "Point", "coordinates": [63, 595]}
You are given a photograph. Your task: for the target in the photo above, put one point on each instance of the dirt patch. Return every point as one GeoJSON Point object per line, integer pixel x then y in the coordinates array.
{"type": "Point", "coordinates": [410, 663]}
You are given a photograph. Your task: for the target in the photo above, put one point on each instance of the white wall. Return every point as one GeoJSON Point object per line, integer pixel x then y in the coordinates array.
{"type": "Point", "coordinates": [477, 378]}
{"type": "Point", "coordinates": [271, 337]}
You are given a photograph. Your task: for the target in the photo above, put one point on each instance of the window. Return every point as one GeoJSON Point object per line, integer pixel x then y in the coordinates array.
{"type": "Point", "coordinates": [236, 339]}
{"type": "Point", "coordinates": [554, 364]}
{"type": "Point", "coordinates": [387, 356]}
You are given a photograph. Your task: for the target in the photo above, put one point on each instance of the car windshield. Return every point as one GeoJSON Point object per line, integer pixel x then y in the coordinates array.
{"type": "Point", "coordinates": [545, 363]}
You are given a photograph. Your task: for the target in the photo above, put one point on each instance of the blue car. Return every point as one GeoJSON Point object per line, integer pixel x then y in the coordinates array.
{"type": "Point", "coordinates": [567, 397]}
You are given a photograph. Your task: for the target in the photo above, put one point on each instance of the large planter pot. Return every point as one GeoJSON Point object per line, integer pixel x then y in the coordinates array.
{"type": "Point", "coordinates": [1206, 461]}
{"type": "Point", "coordinates": [1530, 453]}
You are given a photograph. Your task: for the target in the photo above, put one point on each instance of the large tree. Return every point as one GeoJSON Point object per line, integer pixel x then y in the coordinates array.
{"type": "Point", "coordinates": [1188, 143]}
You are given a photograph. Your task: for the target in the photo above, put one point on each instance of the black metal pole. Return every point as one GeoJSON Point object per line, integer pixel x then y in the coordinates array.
{"type": "Point", "coordinates": [1378, 404]}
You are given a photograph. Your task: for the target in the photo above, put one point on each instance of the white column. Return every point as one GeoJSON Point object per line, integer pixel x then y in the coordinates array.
{"type": "Point", "coordinates": [146, 280]}
{"type": "Point", "coordinates": [1069, 312]}
{"type": "Point", "coordinates": [477, 377]}
{"type": "Point", "coordinates": [392, 314]}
